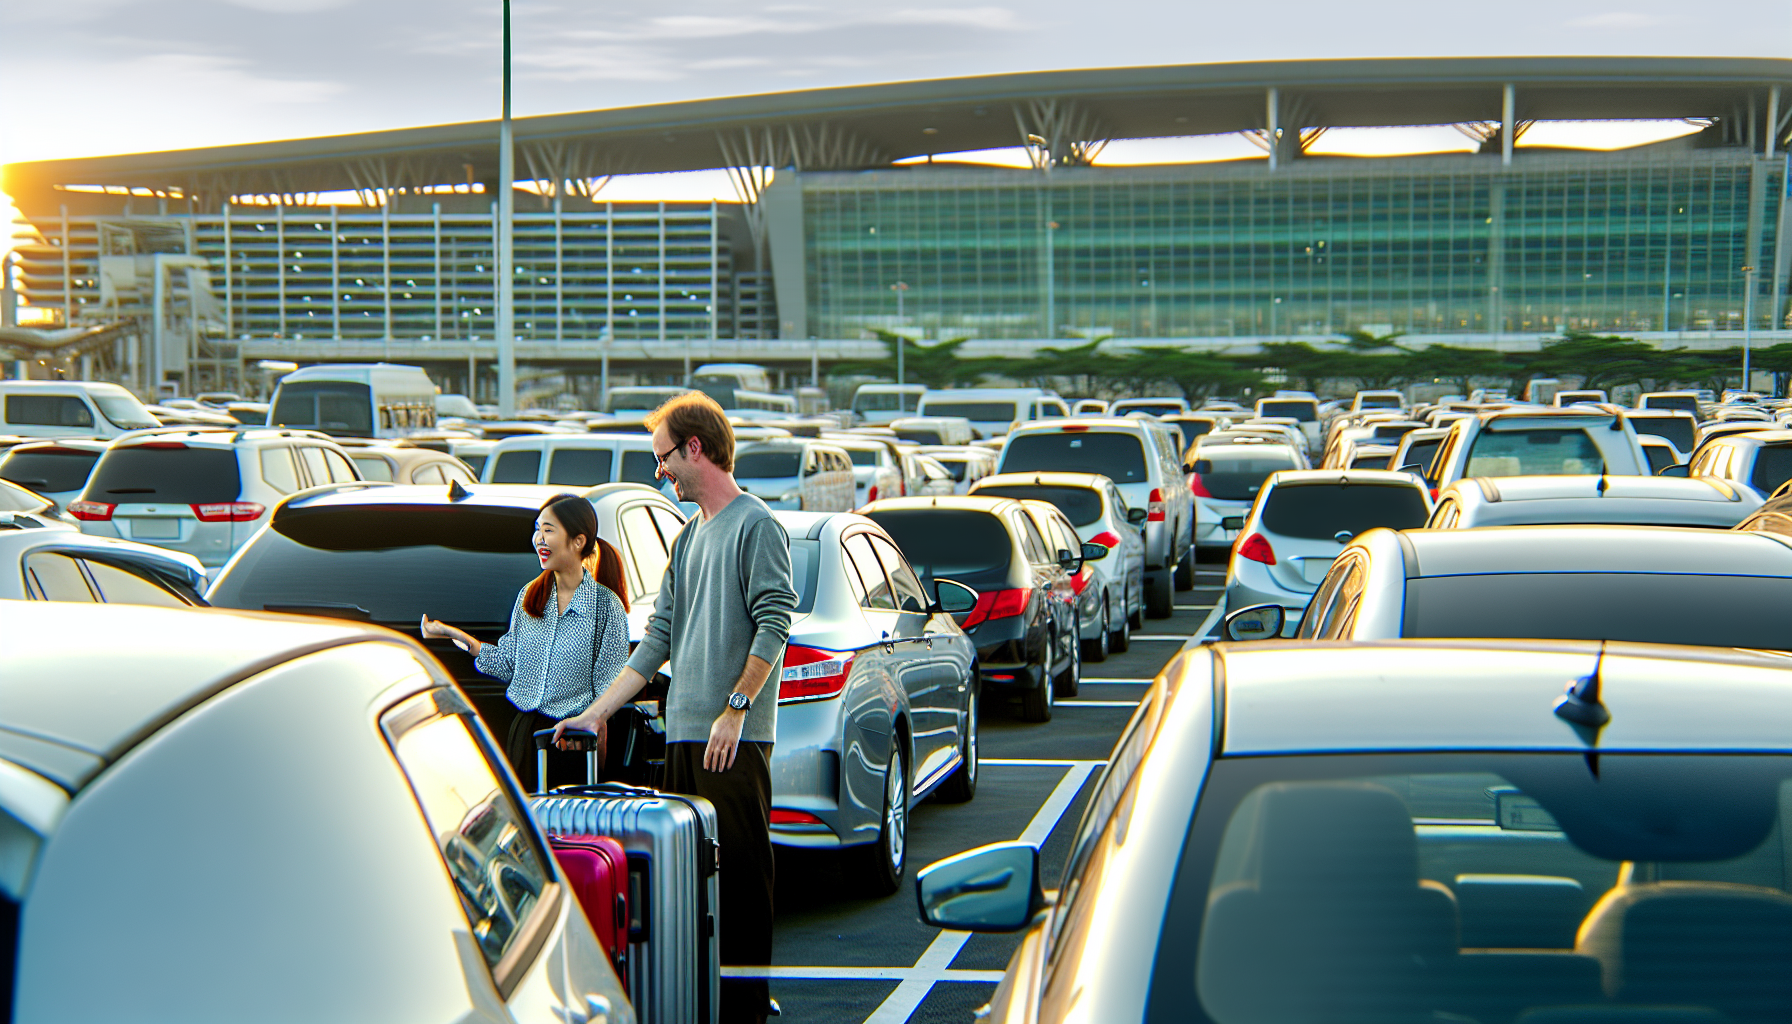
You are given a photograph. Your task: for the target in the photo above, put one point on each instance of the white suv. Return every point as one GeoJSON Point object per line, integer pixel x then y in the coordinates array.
{"type": "Point", "coordinates": [204, 492]}
{"type": "Point", "coordinates": [1540, 442]}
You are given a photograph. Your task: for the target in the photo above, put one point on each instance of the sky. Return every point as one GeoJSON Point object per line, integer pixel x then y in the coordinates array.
{"type": "Point", "coordinates": [88, 77]}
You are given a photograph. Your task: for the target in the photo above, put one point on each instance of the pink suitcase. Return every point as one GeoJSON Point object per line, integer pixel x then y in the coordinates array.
{"type": "Point", "coordinates": [597, 869]}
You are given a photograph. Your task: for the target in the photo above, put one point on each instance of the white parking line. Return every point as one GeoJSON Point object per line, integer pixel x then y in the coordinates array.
{"type": "Point", "coordinates": [1116, 681]}
{"type": "Point", "coordinates": [1097, 703]}
{"type": "Point", "coordinates": [1178, 637]}
{"type": "Point", "coordinates": [1030, 762]}
{"type": "Point", "coordinates": [860, 974]}
{"type": "Point", "coordinates": [934, 965]}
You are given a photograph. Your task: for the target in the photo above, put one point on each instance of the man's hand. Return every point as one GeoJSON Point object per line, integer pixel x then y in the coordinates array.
{"type": "Point", "coordinates": [590, 720]}
{"type": "Point", "coordinates": [724, 740]}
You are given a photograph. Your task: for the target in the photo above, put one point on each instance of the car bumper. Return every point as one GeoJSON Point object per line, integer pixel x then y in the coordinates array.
{"type": "Point", "coordinates": [807, 777]}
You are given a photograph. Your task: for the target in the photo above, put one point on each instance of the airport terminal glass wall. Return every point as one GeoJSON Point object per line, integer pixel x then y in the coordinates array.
{"type": "Point", "coordinates": [1426, 245]}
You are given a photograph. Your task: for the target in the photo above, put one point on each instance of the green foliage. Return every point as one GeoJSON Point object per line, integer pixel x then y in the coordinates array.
{"type": "Point", "coordinates": [937, 365]}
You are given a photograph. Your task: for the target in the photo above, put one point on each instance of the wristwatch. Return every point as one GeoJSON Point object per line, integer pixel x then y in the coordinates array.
{"type": "Point", "coordinates": [739, 702]}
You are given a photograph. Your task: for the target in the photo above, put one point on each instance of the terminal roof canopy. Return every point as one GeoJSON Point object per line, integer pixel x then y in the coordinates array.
{"type": "Point", "coordinates": [872, 125]}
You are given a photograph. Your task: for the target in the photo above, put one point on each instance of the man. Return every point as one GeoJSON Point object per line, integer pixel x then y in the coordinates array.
{"type": "Point", "coordinates": [722, 618]}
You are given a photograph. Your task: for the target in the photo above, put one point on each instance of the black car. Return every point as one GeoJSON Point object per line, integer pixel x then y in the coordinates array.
{"type": "Point", "coordinates": [1022, 624]}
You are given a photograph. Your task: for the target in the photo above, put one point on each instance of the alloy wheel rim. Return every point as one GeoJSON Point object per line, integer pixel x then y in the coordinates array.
{"type": "Point", "coordinates": [896, 817]}
{"type": "Point", "coordinates": [970, 737]}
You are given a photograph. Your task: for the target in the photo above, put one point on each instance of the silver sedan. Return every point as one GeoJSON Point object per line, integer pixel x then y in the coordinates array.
{"type": "Point", "coordinates": [878, 700]}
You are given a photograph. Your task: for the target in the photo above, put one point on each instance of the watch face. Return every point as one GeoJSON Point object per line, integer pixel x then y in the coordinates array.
{"type": "Point", "coordinates": [737, 701]}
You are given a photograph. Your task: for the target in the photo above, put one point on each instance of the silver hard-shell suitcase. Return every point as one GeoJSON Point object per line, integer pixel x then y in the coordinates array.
{"type": "Point", "coordinates": [674, 961]}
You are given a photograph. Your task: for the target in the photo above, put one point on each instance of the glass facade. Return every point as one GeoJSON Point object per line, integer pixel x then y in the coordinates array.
{"type": "Point", "coordinates": [1630, 241]}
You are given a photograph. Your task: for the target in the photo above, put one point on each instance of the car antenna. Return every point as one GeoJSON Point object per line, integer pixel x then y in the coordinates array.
{"type": "Point", "coordinates": [1581, 708]}
{"type": "Point", "coordinates": [456, 492]}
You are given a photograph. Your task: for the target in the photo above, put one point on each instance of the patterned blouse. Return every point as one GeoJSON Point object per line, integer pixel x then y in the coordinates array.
{"type": "Point", "coordinates": [559, 663]}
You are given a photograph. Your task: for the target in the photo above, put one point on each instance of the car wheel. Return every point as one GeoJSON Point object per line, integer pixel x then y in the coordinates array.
{"type": "Point", "coordinates": [1185, 570]}
{"type": "Point", "coordinates": [1097, 648]}
{"type": "Point", "coordinates": [962, 784]}
{"type": "Point", "coordinates": [1136, 615]}
{"type": "Point", "coordinates": [1071, 679]}
{"type": "Point", "coordinates": [883, 861]}
{"type": "Point", "coordinates": [1160, 597]}
{"type": "Point", "coordinates": [1036, 703]}
{"type": "Point", "coordinates": [1120, 638]}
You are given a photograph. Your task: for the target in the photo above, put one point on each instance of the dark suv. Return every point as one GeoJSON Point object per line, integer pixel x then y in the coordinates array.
{"type": "Point", "coordinates": [1022, 624]}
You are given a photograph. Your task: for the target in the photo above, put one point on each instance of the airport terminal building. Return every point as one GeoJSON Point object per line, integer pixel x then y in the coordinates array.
{"type": "Point", "coordinates": [235, 253]}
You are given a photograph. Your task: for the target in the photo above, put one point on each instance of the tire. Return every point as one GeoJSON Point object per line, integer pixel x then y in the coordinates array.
{"type": "Point", "coordinates": [1036, 704]}
{"type": "Point", "coordinates": [1120, 640]}
{"type": "Point", "coordinates": [1135, 617]}
{"type": "Point", "coordinates": [962, 784]}
{"type": "Point", "coordinates": [1160, 595]}
{"type": "Point", "coordinates": [1185, 570]}
{"type": "Point", "coordinates": [1070, 680]}
{"type": "Point", "coordinates": [881, 864]}
{"type": "Point", "coordinates": [1097, 649]}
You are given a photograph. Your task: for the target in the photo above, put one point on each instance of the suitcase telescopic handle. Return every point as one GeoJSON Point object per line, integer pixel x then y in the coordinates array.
{"type": "Point", "coordinates": [579, 738]}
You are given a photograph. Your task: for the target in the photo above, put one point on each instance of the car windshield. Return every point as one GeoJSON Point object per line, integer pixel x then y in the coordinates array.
{"type": "Point", "coordinates": [49, 469]}
{"type": "Point", "coordinates": [1080, 505]}
{"type": "Point", "coordinates": [1238, 476]}
{"type": "Point", "coordinates": [1678, 429]}
{"type": "Point", "coordinates": [167, 472]}
{"type": "Point", "coordinates": [342, 408]}
{"type": "Point", "coordinates": [949, 543]}
{"type": "Point", "coordinates": [1708, 610]}
{"type": "Point", "coordinates": [1543, 451]}
{"type": "Point", "coordinates": [388, 562]}
{"type": "Point", "coordinates": [977, 412]}
{"type": "Point", "coordinates": [1480, 887]}
{"type": "Point", "coordinates": [1319, 511]}
{"type": "Point", "coordinates": [1120, 456]}
{"type": "Point", "coordinates": [1773, 467]}
{"type": "Point", "coordinates": [768, 463]}
{"type": "Point", "coordinates": [1306, 412]}
{"type": "Point", "coordinates": [123, 410]}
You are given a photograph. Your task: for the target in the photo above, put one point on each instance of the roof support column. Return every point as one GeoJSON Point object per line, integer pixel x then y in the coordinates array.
{"type": "Point", "coordinates": [1508, 122]}
{"type": "Point", "coordinates": [1272, 116]}
{"type": "Point", "coordinates": [1773, 121]}
{"type": "Point", "coordinates": [506, 273]}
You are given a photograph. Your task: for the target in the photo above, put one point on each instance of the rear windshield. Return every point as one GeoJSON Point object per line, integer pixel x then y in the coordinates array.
{"type": "Point", "coordinates": [948, 542]}
{"type": "Point", "coordinates": [923, 435]}
{"type": "Point", "coordinates": [1306, 412]}
{"type": "Point", "coordinates": [1540, 452]}
{"type": "Point", "coordinates": [885, 401]}
{"type": "Point", "coordinates": [977, 412]}
{"type": "Point", "coordinates": [1117, 456]}
{"type": "Point", "coordinates": [1684, 403]}
{"type": "Point", "coordinates": [1419, 454]}
{"type": "Point", "coordinates": [861, 457]}
{"type": "Point", "coordinates": [1375, 461]}
{"type": "Point", "coordinates": [51, 470]}
{"type": "Point", "coordinates": [765, 464]}
{"type": "Point", "coordinates": [1394, 431]}
{"type": "Point", "coordinates": [1080, 505]}
{"type": "Point", "coordinates": [1191, 429]}
{"type": "Point", "coordinates": [1239, 477]}
{"type": "Point", "coordinates": [181, 476]}
{"type": "Point", "coordinates": [1154, 408]}
{"type": "Point", "coordinates": [1676, 429]}
{"type": "Point", "coordinates": [342, 408]}
{"type": "Point", "coordinates": [1319, 511]}
{"type": "Point", "coordinates": [955, 465]}
{"type": "Point", "coordinates": [1772, 468]}
{"type": "Point", "coordinates": [388, 562]}
{"type": "Point", "coordinates": [1714, 611]}
{"type": "Point", "coordinates": [1377, 402]}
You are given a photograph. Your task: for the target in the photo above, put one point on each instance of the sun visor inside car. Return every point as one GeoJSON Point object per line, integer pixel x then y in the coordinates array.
{"type": "Point", "coordinates": [385, 527]}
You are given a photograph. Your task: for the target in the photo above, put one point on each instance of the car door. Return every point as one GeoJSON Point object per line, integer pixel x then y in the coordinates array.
{"type": "Point", "coordinates": [1048, 579]}
{"type": "Point", "coordinates": [933, 687]}
{"type": "Point", "coordinates": [890, 654]}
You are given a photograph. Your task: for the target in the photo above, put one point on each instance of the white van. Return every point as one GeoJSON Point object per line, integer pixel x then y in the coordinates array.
{"type": "Point", "coordinates": [934, 429]}
{"type": "Point", "coordinates": [70, 408]}
{"type": "Point", "coordinates": [572, 460]}
{"type": "Point", "coordinates": [739, 376]}
{"type": "Point", "coordinates": [356, 400]}
{"type": "Point", "coordinates": [877, 404]}
{"type": "Point", "coordinates": [994, 411]}
{"type": "Point", "coordinates": [639, 400]}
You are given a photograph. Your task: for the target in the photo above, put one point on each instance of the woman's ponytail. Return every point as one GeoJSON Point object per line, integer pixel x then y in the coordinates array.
{"type": "Point", "coordinates": [605, 564]}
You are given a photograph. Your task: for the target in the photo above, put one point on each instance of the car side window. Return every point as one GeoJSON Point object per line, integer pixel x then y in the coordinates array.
{"type": "Point", "coordinates": [56, 577]}
{"type": "Point", "coordinates": [487, 843]}
{"type": "Point", "coordinates": [313, 458]}
{"type": "Point", "coordinates": [638, 467]}
{"type": "Point", "coordinates": [374, 467]}
{"type": "Point", "coordinates": [878, 592]}
{"type": "Point", "coordinates": [48, 410]}
{"type": "Point", "coordinates": [120, 586]}
{"type": "Point", "coordinates": [1322, 600]}
{"type": "Point", "coordinates": [1030, 538]}
{"type": "Point", "coordinates": [278, 470]}
{"type": "Point", "coordinates": [455, 471]}
{"type": "Point", "coordinates": [668, 522]}
{"type": "Point", "coordinates": [428, 473]}
{"type": "Point", "coordinates": [517, 467]}
{"type": "Point", "coordinates": [342, 471]}
{"type": "Point", "coordinates": [642, 542]}
{"type": "Point", "coordinates": [1444, 516]}
{"type": "Point", "coordinates": [1341, 614]}
{"type": "Point", "coordinates": [910, 597]}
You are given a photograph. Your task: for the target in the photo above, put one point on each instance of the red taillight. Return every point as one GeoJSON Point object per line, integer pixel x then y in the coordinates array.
{"type": "Point", "coordinates": [229, 512]}
{"type": "Point", "coordinates": [1257, 549]}
{"type": "Point", "coordinates": [998, 604]}
{"type": "Point", "coordinates": [1081, 580]}
{"type": "Point", "coordinates": [159, 444]}
{"type": "Point", "coordinates": [1074, 428]}
{"type": "Point", "coordinates": [811, 673]}
{"type": "Point", "coordinates": [871, 495]}
{"type": "Point", "coordinates": [780, 816]}
{"type": "Point", "coordinates": [1155, 507]}
{"type": "Point", "coordinates": [1433, 494]}
{"type": "Point", "coordinates": [91, 511]}
{"type": "Point", "coordinates": [1106, 538]}
{"type": "Point", "coordinates": [1196, 487]}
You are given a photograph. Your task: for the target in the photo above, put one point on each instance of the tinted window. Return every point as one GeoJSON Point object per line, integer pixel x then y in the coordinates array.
{"type": "Point", "coordinates": [474, 462]}
{"type": "Point", "coordinates": [119, 586]}
{"type": "Point", "coordinates": [1394, 431]}
{"type": "Point", "coordinates": [1659, 457]}
{"type": "Point", "coordinates": [639, 467]}
{"type": "Point", "coordinates": [949, 543]}
{"type": "Point", "coordinates": [1080, 505]}
{"type": "Point", "coordinates": [1377, 402]}
{"type": "Point", "coordinates": [883, 401]}
{"type": "Point", "coordinates": [766, 463]}
{"type": "Point", "coordinates": [1534, 453]}
{"type": "Point", "coordinates": [909, 595]}
{"type": "Point", "coordinates": [1773, 466]}
{"type": "Point", "coordinates": [1118, 456]}
{"type": "Point", "coordinates": [1030, 539]}
{"type": "Point", "coordinates": [1419, 453]}
{"type": "Point", "coordinates": [976, 412]}
{"type": "Point", "coordinates": [1683, 403]}
{"type": "Point", "coordinates": [861, 457]}
{"type": "Point", "coordinates": [1154, 408]}
{"type": "Point", "coordinates": [518, 467]}
{"type": "Point", "coordinates": [1306, 412]}
{"type": "Point", "coordinates": [48, 411]}
{"type": "Point", "coordinates": [184, 476]}
{"type": "Point", "coordinates": [390, 561]}
{"type": "Point", "coordinates": [1239, 476]}
{"type": "Point", "coordinates": [1319, 511]}
{"type": "Point", "coordinates": [343, 408]}
{"type": "Point", "coordinates": [1677, 429]}
{"type": "Point", "coordinates": [580, 467]}
{"type": "Point", "coordinates": [1715, 611]}
{"type": "Point", "coordinates": [876, 586]}
{"type": "Point", "coordinates": [52, 469]}
{"type": "Point", "coordinates": [922, 435]}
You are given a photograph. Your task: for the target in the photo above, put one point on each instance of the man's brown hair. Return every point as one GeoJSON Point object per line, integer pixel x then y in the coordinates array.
{"type": "Point", "coordinates": [695, 414]}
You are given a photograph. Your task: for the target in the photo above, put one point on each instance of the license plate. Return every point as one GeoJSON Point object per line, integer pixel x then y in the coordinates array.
{"type": "Point", "coordinates": [155, 529]}
{"type": "Point", "coordinates": [1314, 569]}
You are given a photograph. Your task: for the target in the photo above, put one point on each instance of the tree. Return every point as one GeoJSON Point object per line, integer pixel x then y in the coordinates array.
{"type": "Point", "coordinates": [1083, 364]}
{"type": "Point", "coordinates": [1358, 340]}
{"type": "Point", "coordinates": [1601, 360]}
{"type": "Point", "coordinates": [1459, 366]}
{"type": "Point", "coordinates": [937, 365]}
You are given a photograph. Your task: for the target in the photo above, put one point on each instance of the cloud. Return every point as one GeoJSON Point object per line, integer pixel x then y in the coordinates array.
{"type": "Point", "coordinates": [992, 18]}
{"type": "Point", "coordinates": [290, 6]}
{"type": "Point", "coordinates": [1618, 20]}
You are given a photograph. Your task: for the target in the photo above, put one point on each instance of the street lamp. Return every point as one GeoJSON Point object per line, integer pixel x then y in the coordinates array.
{"type": "Point", "coordinates": [1748, 319]}
{"type": "Point", "coordinates": [506, 273]}
{"type": "Point", "coordinates": [899, 287]}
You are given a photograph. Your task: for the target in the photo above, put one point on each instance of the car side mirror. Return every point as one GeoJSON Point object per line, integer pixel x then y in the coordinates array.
{"type": "Point", "coordinates": [1093, 552]}
{"type": "Point", "coordinates": [1068, 562]}
{"type": "Point", "coordinates": [1258, 622]}
{"type": "Point", "coordinates": [953, 598]}
{"type": "Point", "coordinates": [1232, 523]}
{"type": "Point", "coordinates": [1684, 469]}
{"type": "Point", "coordinates": [1136, 515]}
{"type": "Point", "coordinates": [993, 888]}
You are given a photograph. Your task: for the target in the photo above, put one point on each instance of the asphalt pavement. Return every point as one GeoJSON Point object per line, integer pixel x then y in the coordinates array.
{"type": "Point", "coordinates": [843, 959]}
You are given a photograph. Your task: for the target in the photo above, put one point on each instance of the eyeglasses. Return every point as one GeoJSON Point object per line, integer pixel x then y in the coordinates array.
{"type": "Point", "coordinates": [661, 459]}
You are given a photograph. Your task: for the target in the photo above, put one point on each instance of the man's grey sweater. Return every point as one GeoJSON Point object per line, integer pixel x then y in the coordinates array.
{"type": "Point", "coordinates": [727, 594]}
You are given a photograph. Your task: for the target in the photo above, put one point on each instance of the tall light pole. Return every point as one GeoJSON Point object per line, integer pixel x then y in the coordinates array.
{"type": "Point", "coordinates": [1748, 320]}
{"type": "Point", "coordinates": [899, 287]}
{"type": "Point", "coordinates": [506, 271]}
{"type": "Point", "coordinates": [1051, 280]}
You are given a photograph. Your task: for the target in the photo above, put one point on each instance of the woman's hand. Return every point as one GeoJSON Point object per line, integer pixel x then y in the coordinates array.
{"type": "Point", "coordinates": [432, 628]}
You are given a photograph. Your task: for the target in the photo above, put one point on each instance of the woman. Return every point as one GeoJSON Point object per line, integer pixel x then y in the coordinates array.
{"type": "Point", "coordinates": [568, 635]}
